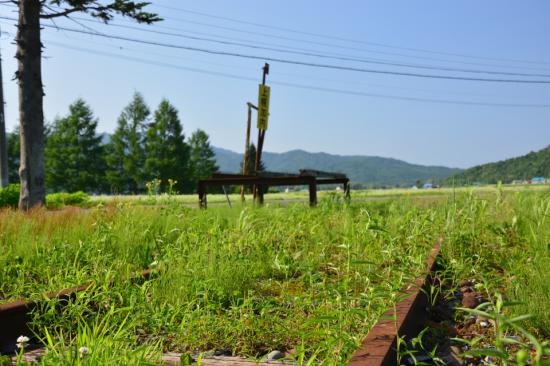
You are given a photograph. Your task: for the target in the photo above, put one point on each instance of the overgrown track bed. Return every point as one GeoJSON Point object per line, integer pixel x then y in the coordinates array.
{"type": "Point", "coordinates": [407, 318]}
{"type": "Point", "coordinates": [245, 282]}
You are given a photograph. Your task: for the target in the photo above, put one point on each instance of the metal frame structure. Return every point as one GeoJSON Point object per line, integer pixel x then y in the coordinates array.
{"type": "Point", "coordinates": [310, 178]}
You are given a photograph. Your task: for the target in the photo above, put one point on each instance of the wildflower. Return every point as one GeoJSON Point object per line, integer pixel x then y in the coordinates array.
{"type": "Point", "coordinates": [22, 341]}
{"type": "Point", "coordinates": [83, 351]}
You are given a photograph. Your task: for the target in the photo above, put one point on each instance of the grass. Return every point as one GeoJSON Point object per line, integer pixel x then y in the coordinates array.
{"type": "Point", "coordinates": [192, 199]}
{"type": "Point", "coordinates": [504, 243]}
{"type": "Point", "coordinates": [311, 282]}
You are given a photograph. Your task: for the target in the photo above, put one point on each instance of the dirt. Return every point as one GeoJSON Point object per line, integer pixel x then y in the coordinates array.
{"type": "Point", "coordinates": [445, 324]}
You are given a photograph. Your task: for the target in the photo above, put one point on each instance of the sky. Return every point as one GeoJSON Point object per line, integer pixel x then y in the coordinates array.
{"type": "Point", "coordinates": [331, 109]}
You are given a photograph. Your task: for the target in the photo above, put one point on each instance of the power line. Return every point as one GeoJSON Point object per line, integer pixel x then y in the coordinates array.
{"type": "Point", "coordinates": [300, 86]}
{"type": "Point", "coordinates": [292, 75]}
{"type": "Point", "coordinates": [293, 62]}
{"type": "Point", "coordinates": [319, 54]}
{"type": "Point", "coordinates": [338, 38]}
{"type": "Point", "coordinates": [247, 32]}
{"type": "Point", "coordinates": [363, 50]}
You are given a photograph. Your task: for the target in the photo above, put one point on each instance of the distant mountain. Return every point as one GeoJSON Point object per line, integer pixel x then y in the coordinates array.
{"type": "Point", "coordinates": [370, 170]}
{"type": "Point", "coordinates": [534, 164]}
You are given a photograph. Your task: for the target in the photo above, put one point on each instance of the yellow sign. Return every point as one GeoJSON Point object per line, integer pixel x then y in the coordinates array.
{"type": "Point", "coordinates": [263, 106]}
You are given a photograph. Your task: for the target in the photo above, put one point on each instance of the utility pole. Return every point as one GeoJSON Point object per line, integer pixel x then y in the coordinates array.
{"type": "Point", "coordinates": [247, 143]}
{"type": "Point", "coordinates": [258, 193]}
{"type": "Point", "coordinates": [4, 181]}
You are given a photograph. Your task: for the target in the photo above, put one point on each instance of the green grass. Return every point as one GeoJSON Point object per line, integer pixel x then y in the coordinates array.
{"type": "Point", "coordinates": [192, 199]}
{"type": "Point", "coordinates": [251, 280]}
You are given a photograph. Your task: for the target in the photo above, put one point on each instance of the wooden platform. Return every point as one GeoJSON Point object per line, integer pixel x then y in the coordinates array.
{"type": "Point", "coordinates": [310, 178]}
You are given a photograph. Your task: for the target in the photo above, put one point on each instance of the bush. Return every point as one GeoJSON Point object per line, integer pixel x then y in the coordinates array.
{"type": "Point", "coordinates": [57, 200]}
{"type": "Point", "coordinates": [9, 196]}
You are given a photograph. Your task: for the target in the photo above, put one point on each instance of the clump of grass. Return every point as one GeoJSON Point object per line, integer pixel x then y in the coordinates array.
{"type": "Point", "coordinates": [58, 200]}
{"type": "Point", "coordinates": [9, 196]}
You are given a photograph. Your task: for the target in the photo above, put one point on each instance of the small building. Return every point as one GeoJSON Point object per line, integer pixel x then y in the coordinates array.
{"type": "Point", "coordinates": [538, 180]}
{"type": "Point", "coordinates": [428, 185]}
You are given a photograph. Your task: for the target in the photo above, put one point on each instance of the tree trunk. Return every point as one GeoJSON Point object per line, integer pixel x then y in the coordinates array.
{"type": "Point", "coordinates": [31, 116]}
{"type": "Point", "coordinates": [4, 173]}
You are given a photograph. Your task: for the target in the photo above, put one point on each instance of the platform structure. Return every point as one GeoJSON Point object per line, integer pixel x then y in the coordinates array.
{"type": "Point", "coordinates": [264, 180]}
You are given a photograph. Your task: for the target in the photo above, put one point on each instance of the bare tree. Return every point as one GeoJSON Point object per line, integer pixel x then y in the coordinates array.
{"type": "Point", "coordinates": [29, 76]}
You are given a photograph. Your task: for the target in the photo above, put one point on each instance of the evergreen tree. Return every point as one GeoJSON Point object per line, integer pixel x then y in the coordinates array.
{"type": "Point", "coordinates": [202, 159]}
{"type": "Point", "coordinates": [13, 156]}
{"type": "Point", "coordinates": [167, 154]}
{"type": "Point", "coordinates": [74, 154]}
{"type": "Point", "coordinates": [252, 161]}
{"type": "Point", "coordinates": [125, 152]}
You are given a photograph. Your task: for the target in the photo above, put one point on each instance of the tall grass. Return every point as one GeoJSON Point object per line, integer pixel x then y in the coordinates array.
{"type": "Point", "coordinates": [308, 281]}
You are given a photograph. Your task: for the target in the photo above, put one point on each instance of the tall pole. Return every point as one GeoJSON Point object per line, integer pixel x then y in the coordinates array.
{"type": "Point", "coordinates": [261, 136]}
{"type": "Point", "coordinates": [4, 181]}
{"type": "Point", "coordinates": [247, 143]}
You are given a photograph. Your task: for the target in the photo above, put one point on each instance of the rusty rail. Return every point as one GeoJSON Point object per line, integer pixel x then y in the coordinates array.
{"type": "Point", "coordinates": [15, 316]}
{"type": "Point", "coordinates": [408, 318]}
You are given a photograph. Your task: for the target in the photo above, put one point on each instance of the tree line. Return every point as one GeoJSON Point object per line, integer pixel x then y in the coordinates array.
{"type": "Point", "coordinates": [526, 167]}
{"type": "Point", "coordinates": [143, 147]}
{"type": "Point", "coordinates": [32, 132]}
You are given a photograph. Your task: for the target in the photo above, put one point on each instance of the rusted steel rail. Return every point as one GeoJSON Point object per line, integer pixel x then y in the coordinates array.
{"type": "Point", "coordinates": [16, 316]}
{"type": "Point", "coordinates": [408, 319]}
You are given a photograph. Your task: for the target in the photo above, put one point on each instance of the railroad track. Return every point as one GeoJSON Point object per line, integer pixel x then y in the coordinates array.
{"type": "Point", "coordinates": [378, 348]}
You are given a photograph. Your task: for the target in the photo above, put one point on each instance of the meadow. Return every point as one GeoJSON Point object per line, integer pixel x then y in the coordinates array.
{"type": "Point", "coordinates": [279, 197]}
{"type": "Point", "coordinates": [246, 281]}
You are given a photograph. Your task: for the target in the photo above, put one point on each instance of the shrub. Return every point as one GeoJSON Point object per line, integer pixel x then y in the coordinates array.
{"type": "Point", "coordinates": [57, 200]}
{"type": "Point", "coordinates": [9, 196]}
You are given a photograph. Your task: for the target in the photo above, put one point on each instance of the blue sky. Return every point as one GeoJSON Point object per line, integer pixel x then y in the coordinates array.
{"type": "Point", "coordinates": [511, 36]}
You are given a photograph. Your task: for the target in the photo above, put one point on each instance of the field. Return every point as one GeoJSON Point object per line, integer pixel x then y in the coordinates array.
{"type": "Point", "coordinates": [372, 194]}
{"type": "Point", "coordinates": [246, 281]}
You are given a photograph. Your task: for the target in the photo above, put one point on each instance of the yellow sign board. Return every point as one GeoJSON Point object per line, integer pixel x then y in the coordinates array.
{"type": "Point", "coordinates": [263, 106]}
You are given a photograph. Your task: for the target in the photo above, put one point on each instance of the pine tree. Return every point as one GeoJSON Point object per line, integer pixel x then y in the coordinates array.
{"type": "Point", "coordinates": [252, 161]}
{"type": "Point", "coordinates": [13, 156]}
{"type": "Point", "coordinates": [125, 152]}
{"type": "Point", "coordinates": [74, 154]}
{"type": "Point", "coordinates": [167, 154]}
{"type": "Point", "coordinates": [202, 159]}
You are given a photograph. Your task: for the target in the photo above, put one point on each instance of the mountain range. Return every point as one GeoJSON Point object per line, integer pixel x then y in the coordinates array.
{"type": "Point", "coordinates": [368, 170]}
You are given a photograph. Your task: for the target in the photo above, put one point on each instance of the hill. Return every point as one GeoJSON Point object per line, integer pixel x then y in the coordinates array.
{"type": "Point", "coordinates": [534, 164]}
{"type": "Point", "coordinates": [371, 170]}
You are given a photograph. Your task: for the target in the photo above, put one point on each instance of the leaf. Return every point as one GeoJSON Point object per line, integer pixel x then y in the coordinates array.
{"type": "Point", "coordinates": [478, 313]}
{"type": "Point", "coordinates": [487, 352]}
{"type": "Point", "coordinates": [507, 340]}
{"type": "Point", "coordinates": [520, 318]}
